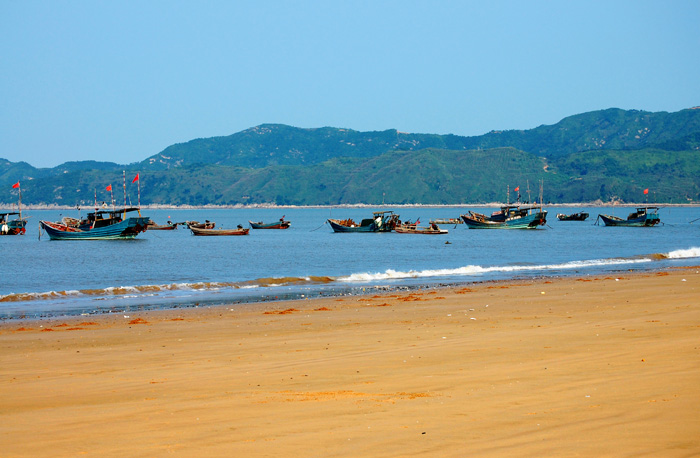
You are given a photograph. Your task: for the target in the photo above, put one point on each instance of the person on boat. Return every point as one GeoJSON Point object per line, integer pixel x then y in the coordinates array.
{"type": "Point", "coordinates": [434, 226]}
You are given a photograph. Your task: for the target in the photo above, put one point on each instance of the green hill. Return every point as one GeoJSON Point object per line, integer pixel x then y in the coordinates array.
{"type": "Point", "coordinates": [602, 155]}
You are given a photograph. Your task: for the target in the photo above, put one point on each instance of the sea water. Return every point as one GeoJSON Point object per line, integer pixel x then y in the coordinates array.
{"type": "Point", "coordinates": [171, 269]}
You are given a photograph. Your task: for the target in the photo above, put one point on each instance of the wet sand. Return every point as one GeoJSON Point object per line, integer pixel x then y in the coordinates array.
{"type": "Point", "coordinates": [593, 366]}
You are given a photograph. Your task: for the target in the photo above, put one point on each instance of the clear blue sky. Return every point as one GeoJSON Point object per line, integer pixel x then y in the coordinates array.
{"type": "Point", "coordinates": [121, 80]}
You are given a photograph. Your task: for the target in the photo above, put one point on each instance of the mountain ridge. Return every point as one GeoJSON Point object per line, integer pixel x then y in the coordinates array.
{"type": "Point", "coordinates": [600, 155]}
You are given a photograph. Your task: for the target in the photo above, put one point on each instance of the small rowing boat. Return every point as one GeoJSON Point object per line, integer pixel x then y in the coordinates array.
{"type": "Point", "coordinates": [281, 224]}
{"type": "Point", "coordinates": [240, 230]}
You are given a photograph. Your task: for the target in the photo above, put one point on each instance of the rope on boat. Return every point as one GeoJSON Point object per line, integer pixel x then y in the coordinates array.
{"type": "Point", "coordinates": [319, 227]}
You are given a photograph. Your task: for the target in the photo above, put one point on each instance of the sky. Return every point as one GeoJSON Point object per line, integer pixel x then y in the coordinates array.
{"type": "Point", "coordinates": [120, 81]}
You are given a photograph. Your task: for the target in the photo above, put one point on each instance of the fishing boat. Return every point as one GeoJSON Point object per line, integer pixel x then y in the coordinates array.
{"type": "Point", "coordinates": [281, 224]}
{"type": "Point", "coordinates": [240, 230]}
{"type": "Point", "coordinates": [169, 226]}
{"type": "Point", "coordinates": [580, 216]}
{"type": "Point", "coordinates": [641, 217]}
{"type": "Point", "coordinates": [382, 221]}
{"type": "Point", "coordinates": [508, 217]}
{"type": "Point", "coordinates": [99, 225]}
{"type": "Point", "coordinates": [433, 229]}
{"type": "Point", "coordinates": [14, 226]}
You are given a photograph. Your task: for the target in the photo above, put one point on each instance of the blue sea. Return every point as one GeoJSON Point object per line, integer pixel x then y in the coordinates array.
{"type": "Point", "coordinates": [172, 269]}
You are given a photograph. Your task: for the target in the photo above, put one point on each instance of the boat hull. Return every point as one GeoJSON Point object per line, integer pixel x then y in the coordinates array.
{"type": "Point", "coordinates": [275, 225]}
{"type": "Point", "coordinates": [644, 221]}
{"type": "Point", "coordinates": [218, 232]}
{"type": "Point", "coordinates": [531, 221]}
{"type": "Point", "coordinates": [126, 229]}
{"type": "Point", "coordinates": [337, 227]}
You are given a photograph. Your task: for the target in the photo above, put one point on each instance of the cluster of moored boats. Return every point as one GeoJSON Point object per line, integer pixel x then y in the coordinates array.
{"type": "Point", "coordinates": [116, 224]}
{"type": "Point", "coordinates": [507, 217]}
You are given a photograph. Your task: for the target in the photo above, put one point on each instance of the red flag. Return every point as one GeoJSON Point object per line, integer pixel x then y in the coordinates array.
{"type": "Point", "coordinates": [16, 185]}
{"type": "Point", "coordinates": [109, 188]}
{"type": "Point", "coordinates": [136, 178]}
{"type": "Point", "coordinates": [646, 191]}
{"type": "Point", "coordinates": [517, 189]}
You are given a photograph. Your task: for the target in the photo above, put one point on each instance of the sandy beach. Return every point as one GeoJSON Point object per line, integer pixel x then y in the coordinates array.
{"type": "Point", "coordinates": [592, 366]}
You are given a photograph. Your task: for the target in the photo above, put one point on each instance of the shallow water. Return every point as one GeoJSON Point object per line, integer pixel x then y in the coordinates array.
{"type": "Point", "coordinates": [163, 269]}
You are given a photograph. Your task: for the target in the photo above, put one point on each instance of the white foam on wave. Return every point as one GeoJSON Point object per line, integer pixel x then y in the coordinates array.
{"type": "Point", "coordinates": [390, 274]}
{"type": "Point", "coordinates": [693, 252]}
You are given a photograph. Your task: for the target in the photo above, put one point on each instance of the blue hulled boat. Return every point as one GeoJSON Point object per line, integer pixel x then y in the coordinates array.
{"type": "Point", "coordinates": [508, 217]}
{"type": "Point", "coordinates": [14, 226]}
{"type": "Point", "coordinates": [642, 217]}
{"type": "Point", "coordinates": [99, 225]}
{"type": "Point", "coordinates": [383, 221]}
{"type": "Point", "coordinates": [281, 224]}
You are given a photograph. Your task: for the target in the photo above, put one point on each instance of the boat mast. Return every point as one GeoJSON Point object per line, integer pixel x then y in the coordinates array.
{"type": "Point", "coordinates": [529, 197]}
{"type": "Point", "coordinates": [19, 204]}
{"type": "Point", "coordinates": [124, 176]}
{"type": "Point", "coordinates": [94, 220]}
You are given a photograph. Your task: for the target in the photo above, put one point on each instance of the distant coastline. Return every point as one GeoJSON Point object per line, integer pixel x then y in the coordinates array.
{"type": "Point", "coordinates": [596, 204]}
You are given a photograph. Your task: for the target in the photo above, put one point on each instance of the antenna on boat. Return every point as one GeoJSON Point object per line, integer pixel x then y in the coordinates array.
{"type": "Point", "coordinates": [508, 194]}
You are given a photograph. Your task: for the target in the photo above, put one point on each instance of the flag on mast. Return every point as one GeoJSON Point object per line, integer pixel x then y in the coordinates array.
{"type": "Point", "coordinates": [16, 185]}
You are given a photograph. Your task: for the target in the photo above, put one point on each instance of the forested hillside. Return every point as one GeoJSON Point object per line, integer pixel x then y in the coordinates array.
{"type": "Point", "coordinates": [604, 155]}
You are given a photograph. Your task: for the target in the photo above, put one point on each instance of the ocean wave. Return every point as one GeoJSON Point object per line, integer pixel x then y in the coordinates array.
{"type": "Point", "coordinates": [151, 290]}
{"type": "Point", "coordinates": [362, 277]}
{"type": "Point", "coordinates": [693, 252]}
{"type": "Point", "coordinates": [178, 289]}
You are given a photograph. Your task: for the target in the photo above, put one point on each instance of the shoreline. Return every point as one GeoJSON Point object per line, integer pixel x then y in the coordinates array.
{"type": "Point", "coordinates": [567, 366]}
{"type": "Point", "coordinates": [259, 301]}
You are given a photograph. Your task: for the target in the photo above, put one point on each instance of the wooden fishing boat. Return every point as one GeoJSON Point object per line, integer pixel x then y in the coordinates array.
{"type": "Point", "coordinates": [240, 230]}
{"type": "Point", "coordinates": [382, 221]}
{"type": "Point", "coordinates": [642, 217]}
{"type": "Point", "coordinates": [169, 226]}
{"type": "Point", "coordinates": [508, 217]}
{"type": "Point", "coordinates": [99, 225]}
{"type": "Point", "coordinates": [580, 216]}
{"type": "Point", "coordinates": [433, 229]}
{"type": "Point", "coordinates": [281, 224]}
{"type": "Point", "coordinates": [14, 226]}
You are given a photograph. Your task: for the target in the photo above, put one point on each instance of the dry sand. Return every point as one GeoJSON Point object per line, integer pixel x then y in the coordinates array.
{"type": "Point", "coordinates": [606, 366]}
